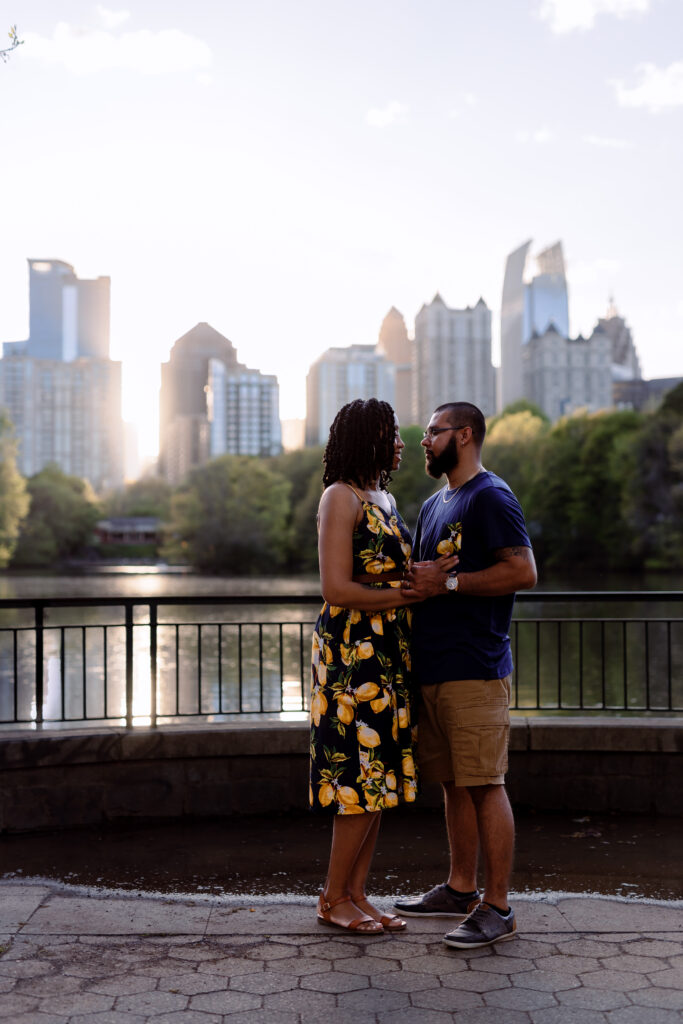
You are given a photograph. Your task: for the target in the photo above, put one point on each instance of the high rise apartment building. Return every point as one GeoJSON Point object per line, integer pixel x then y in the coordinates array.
{"type": "Point", "coordinates": [534, 298]}
{"type": "Point", "coordinates": [341, 375]}
{"type": "Point", "coordinates": [625, 361]}
{"type": "Point", "coordinates": [60, 389]}
{"type": "Point", "coordinates": [213, 405]}
{"type": "Point", "coordinates": [395, 345]}
{"type": "Point", "coordinates": [453, 358]}
{"type": "Point", "coordinates": [561, 375]}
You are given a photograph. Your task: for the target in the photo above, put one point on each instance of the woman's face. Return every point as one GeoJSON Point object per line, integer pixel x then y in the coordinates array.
{"type": "Point", "coordinates": [398, 447]}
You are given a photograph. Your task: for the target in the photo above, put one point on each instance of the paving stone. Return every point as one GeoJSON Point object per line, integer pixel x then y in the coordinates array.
{"type": "Point", "coordinates": [74, 915]}
{"type": "Point", "coordinates": [519, 999]}
{"type": "Point", "coordinates": [14, 1004]}
{"type": "Point", "coordinates": [81, 1002]}
{"type": "Point", "coordinates": [654, 947]}
{"type": "Point", "coordinates": [365, 966]}
{"type": "Point", "coordinates": [263, 1017]}
{"type": "Point", "coordinates": [637, 964]}
{"type": "Point", "coordinates": [55, 985]}
{"type": "Point", "coordinates": [189, 1017]}
{"type": "Point", "coordinates": [619, 981]}
{"type": "Point", "coordinates": [499, 965]}
{"type": "Point", "coordinates": [373, 1000]}
{"type": "Point", "coordinates": [332, 950]}
{"type": "Point", "coordinates": [193, 953]}
{"type": "Point", "coordinates": [300, 940]}
{"type": "Point", "coordinates": [193, 984]}
{"type": "Point", "coordinates": [301, 966]}
{"type": "Point", "coordinates": [7, 984]}
{"type": "Point", "coordinates": [408, 1017]}
{"type": "Point", "coordinates": [441, 964]}
{"type": "Point", "coordinates": [18, 904]}
{"type": "Point", "coordinates": [546, 981]}
{"type": "Point", "coordinates": [26, 968]}
{"type": "Point", "coordinates": [592, 999]}
{"type": "Point", "coordinates": [334, 981]}
{"type": "Point", "coordinates": [450, 999]}
{"type": "Point", "coordinates": [110, 1017]}
{"type": "Point", "coordinates": [316, 1004]}
{"type": "Point", "coordinates": [403, 981]}
{"type": "Point", "coordinates": [634, 1015]}
{"type": "Point", "coordinates": [394, 949]}
{"type": "Point", "coordinates": [269, 951]}
{"type": "Point", "coordinates": [490, 1015]}
{"type": "Point", "coordinates": [604, 915]}
{"type": "Point", "coordinates": [123, 985]}
{"type": "Point", "coordinates": [525, 948]}
{"type": "Point", "coordinates": [671, 978]}
{"type": "Point", "coordinates": [676, 961]}
{"type": "Point", "coordinates": [225, 1002]}
{"type": "Point", "coordinates": [564, 1015]}
{"type": "Point", "coordinates": [586, 947]}
{"type": "Point", "coordinates": [568, 964]}
{"type": "Point", "coordinates": [667, 998]}
{"type": "Point", "coordinates": [475, 981]}
{"type": "Point", "coordinates": [165, 969]}
{"type": "Point", "coordinates": [263, 984]}
{"type": "Point", "coordinates": [151, 1002]}
{"type": "Point", "coordinates": [231, 966]}
{"type": "Point", "coordinates": [33, 1017]}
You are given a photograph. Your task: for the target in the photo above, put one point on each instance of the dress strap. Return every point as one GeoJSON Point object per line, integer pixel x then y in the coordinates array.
{"type": "Point", "coordinates": [360, 497]}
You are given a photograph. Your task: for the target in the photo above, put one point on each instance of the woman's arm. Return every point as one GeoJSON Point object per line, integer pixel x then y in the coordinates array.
{"type": "Point", "coordinates": [337, 517]}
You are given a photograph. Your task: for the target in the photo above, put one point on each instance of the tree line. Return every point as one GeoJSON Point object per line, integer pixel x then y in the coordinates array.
{"type": "Point", "coordinates": [600, 491]}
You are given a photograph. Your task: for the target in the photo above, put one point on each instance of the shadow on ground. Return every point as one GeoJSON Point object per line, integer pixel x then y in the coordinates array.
{"type": "Point", "coordinates": [623, 856]}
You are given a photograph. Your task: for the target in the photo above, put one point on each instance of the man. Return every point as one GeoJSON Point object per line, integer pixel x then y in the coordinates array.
{"type": "Point", "coordinates": [463, 663]}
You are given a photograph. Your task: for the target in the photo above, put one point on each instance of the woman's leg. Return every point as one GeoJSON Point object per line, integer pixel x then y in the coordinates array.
{"type": "Point", "coordinates": [350, 833]}
{"type": "Point", "coordinates": [359, 876]}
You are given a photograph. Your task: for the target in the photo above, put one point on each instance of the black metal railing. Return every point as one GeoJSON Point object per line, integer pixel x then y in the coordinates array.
{"type": "Point", "coordinates": [128, 661]}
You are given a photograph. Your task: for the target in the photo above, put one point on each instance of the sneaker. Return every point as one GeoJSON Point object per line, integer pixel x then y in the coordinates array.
{"type": "Point", "coordinates": [483, 927]}
{"type": "Point", "coordinates": [438, 902]}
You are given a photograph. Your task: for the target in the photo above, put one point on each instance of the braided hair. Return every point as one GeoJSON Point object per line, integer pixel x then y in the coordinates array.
{"type": "Point", "coordinates": [361, 444]}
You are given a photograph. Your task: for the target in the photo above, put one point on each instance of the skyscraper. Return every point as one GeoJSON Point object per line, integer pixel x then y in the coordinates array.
{"type": "Point", "coordinates": [341, 375]}
{"type": "Point", "coordinates": [61, 390]}
{"type": "Point", "coordinates": [395, 345]}
{"type": "Point", "coordinates": [453, 357]}
{"type": "Point", "coordinates": [534, 298]}
{"type": "Point", "coordinates": [562, 375]}
{"type": "Point", "coordinates": [213, 405]}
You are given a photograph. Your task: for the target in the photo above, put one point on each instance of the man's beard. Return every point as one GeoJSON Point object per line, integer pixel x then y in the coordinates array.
{"type": "Point", "coordinates": [437, 465]}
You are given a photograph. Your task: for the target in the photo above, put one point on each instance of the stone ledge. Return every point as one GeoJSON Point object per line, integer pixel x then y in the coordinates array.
{"type": "Point", "coordinates": [254, 739]}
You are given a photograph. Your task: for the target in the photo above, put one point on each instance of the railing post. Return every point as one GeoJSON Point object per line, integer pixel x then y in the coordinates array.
{"type": "Point", "coordinates": [153, 662]}
{"type": "Point", "coordinates": [39, 619]}
{"type": "Point", "coordinates": [129, 666]}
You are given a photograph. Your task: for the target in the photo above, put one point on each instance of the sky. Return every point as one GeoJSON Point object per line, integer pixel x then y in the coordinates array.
{"type": "Point", "coordinates": [288, 171]}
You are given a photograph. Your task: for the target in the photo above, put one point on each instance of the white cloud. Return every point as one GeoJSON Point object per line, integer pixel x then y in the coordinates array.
{"type": "Point", "coordinates": [658, 88]}
{"type": "Point", "coordinates": [540, 136]}
{"type": "Point", "coordinates": [604, 142]}
{"type": "Point", "coordinates": [466, 101]}
{"type": "Point", "coordinates": [569, 15]}
{"type": "Point", "coordinates": [111, 19]}
{"type": "Point", "coordinates": [381, 117]}
{"type": "Point", "coordinates": [596, 271]}
{"type": "Point", "coordinates": [85, 51]}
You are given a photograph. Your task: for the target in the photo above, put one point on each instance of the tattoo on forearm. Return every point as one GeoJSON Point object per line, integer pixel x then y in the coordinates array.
{"type": "Point", "coordinates": [520, 552]}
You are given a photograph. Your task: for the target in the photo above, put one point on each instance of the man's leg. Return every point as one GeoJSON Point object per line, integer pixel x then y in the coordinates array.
{"type": "Point", "coordinates": [497, 835]}
{"type": "Point", "coordinates": [463, 837]}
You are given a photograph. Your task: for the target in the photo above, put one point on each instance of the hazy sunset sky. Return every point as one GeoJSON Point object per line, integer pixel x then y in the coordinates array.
{"type": "Point", "coordinates": [287, 170]}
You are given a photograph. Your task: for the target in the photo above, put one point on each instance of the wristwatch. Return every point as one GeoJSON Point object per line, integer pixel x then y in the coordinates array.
{"type": "Point", "coordinates": [452, 581]}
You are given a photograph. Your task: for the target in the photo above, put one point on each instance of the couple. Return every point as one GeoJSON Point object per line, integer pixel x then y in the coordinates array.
{"type": "Point", "coordinates": [471, 553]}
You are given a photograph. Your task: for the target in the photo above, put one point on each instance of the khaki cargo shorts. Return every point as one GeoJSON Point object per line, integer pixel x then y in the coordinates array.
{"type": "Point", "coordinates": [464, 729]}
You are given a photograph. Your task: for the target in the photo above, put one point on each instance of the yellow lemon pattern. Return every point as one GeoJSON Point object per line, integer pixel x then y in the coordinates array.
{"type": "Point", "coordinates": [361, 723]}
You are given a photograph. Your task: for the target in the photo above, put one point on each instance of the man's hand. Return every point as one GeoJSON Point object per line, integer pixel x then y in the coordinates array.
{"type": "Point", "coordinates": [427, 579]}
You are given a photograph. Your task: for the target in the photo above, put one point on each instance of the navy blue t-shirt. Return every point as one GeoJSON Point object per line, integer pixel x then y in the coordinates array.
{"type": "Point", "coordinates": [459, 636]}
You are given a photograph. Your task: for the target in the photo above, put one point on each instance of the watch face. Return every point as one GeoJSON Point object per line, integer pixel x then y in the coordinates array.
{"type": "Point", "coordinates": [452, 583]}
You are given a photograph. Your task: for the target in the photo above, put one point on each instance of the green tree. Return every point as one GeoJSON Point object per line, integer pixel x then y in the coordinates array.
{"type": "Point", "coordinates": [150, 496]}
{"type": "Point", "coordinates": [303, 468]}
{"type": "Point", "coordinates": [14, 499]}
{"type": "Point", "coordinates": [512, 448]}
{"type": "Point", "coordinates": [231, 516]}
{"type": "Point", "coordinates": [61, 518]}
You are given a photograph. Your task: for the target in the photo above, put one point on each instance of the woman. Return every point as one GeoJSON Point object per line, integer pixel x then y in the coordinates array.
{"type": "Point", "coordinates": [361, 741]}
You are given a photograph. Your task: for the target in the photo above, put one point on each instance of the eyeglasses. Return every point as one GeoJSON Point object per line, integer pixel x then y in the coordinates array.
{"type": "Point", "coordinates": [433, 432]}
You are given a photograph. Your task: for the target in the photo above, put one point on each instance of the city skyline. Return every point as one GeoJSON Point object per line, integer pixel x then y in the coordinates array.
{"type": "Point", "coordinates": [288, 174]}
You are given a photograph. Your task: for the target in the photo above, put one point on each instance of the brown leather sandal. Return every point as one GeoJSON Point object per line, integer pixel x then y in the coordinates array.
{"type": "Point", "coordinates": [325, 906]}
{"type": "Point", "coordinates": [390, 922]}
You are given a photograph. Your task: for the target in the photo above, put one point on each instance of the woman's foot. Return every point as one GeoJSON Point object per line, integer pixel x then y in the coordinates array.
{"type": "Point", "coordinates": [344, 913]}
{"type": "Point", "coordinates": [390, 922]}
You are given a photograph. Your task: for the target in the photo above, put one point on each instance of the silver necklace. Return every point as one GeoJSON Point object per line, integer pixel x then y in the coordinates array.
{"type": "Point", "coordinates": [446, 500]}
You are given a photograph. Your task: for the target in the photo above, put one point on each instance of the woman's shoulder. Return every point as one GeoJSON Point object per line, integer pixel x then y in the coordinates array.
{"type": "Point", "coordinates": [339, 495]}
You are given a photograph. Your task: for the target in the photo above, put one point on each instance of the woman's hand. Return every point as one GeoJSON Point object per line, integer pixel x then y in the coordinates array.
{"type": "Point", "coordinates": [427, 579]}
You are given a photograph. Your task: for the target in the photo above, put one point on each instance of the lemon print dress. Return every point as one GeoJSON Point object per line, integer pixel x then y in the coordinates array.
{"type": "Point", "coordinates": [361, 734]}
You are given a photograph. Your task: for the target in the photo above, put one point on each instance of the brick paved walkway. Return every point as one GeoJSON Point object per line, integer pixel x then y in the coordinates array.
{"type": "Point", "coordinates": [73, 959]}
